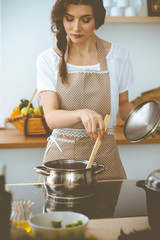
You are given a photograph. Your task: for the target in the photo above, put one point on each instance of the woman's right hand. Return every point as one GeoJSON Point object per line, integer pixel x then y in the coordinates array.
{"type": "Point", "coordinates": [91, 120]}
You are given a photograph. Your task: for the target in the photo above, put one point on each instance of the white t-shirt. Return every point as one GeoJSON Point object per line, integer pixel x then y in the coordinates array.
{"type": "Point", "coordinates": [119, 66]}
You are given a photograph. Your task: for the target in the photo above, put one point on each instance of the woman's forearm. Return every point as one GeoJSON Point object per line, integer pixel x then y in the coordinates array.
{"type": "Point", "coordinates": [59, 118]}
{"type": "Point", "coordinates": [65, 119]}
{"type": "Point", "coordinates": [55, 117]}
{"type": "Point", "coordinates": [62, 118]}
{"type": "Point", "coordinates": [124, 109]}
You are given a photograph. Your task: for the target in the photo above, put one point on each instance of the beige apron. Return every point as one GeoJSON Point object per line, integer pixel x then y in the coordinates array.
{"type": "Point", "coordinates": [86, 90]}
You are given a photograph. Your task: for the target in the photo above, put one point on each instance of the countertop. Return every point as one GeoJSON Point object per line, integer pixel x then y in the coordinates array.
{"type": "Point", "coordinates": [105, 229]}
{"type": "Point", "coordinates": [111, 199]}
{"type": "Point", "coordinates": [119, 205]}
{"type": "Point", "coordinates": [12, 138]}
{"type": "Point", "coordinates": [109, 229]}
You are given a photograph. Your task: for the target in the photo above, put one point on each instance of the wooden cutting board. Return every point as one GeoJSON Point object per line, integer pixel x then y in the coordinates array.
{"type": "Point", "coordinates": [109, 229]}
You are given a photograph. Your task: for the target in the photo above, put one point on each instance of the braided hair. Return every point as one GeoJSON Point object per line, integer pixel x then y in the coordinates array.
{"type": "Point", "coordinates": [57, 14]}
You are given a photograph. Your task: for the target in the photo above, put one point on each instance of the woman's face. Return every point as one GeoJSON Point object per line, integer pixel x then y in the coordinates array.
{"type": "Point", "coordinates": [79, 22]}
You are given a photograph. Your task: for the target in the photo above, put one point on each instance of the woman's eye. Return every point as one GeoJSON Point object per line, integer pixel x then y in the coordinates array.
{"type": "Point", "coordinates": [69, 19]}
{"type": "Point", "coordinates": [86, 20]}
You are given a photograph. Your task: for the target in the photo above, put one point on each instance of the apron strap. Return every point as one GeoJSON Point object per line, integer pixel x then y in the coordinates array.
{"type": "Point", "coordinates": [101, 54]}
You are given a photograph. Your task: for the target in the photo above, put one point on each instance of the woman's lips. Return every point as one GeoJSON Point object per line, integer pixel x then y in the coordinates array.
{"type": "Point", "coordinates": [76, 35]}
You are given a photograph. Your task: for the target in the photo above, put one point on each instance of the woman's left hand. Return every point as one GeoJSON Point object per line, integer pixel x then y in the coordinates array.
{"type": "Point", "coordinates": [153, 135]}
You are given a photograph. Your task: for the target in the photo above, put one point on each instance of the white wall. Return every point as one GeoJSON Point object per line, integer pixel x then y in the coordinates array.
{"type": "Point", "coordinates": [26, 33]}
{"type": "Point", "coordinates": [138, 160]}
{"type": "Point", "coordinates": [142, 40]}
{"type": "Point", "coordinates": [20, 164]}
{"type": "Point", "coordinates": [25, 28]}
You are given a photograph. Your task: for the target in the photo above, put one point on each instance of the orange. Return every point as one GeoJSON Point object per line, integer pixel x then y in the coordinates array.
{"type": "Point", "coordinates": [15, 112]}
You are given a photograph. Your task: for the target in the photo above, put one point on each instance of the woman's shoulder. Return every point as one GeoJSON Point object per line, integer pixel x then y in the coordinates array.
{"type": "Point", "coordinates": [117, 50]}
{"type": "Point", "coordinates": [49, 55]}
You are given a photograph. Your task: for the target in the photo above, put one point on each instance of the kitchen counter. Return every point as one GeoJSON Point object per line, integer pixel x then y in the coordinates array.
{"type": "Point", "coordinates": [12, 138]}
{"type": "Point", "coordinates": [118, 205]}
{"type": "Point", "coordinates": [109, 229]}
{"type": "Point", "coordinates": [112, 199]}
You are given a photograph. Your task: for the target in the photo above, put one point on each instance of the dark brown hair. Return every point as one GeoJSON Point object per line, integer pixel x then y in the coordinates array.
{"type": "Point", "coordinates": [57, 14]}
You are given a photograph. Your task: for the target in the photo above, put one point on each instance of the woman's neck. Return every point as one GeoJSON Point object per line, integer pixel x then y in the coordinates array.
{"type": "Point", "coordinates": [83, 52]}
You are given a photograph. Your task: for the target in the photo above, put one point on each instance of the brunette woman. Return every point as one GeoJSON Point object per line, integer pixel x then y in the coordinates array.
{"type": "Point", "coordinates": [80, 81]}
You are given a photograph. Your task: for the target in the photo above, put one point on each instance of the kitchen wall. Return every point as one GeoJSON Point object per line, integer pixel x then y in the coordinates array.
{"type": "Point", "coordinates": [25, 33]}
{"type": "Point", "coordinates": [25, 28]}
{"type": "Point", "coordinates": [138, 160]}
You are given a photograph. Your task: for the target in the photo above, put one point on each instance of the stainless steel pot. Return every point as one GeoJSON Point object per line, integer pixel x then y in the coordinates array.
{"type": "Point", "coordinates": [152, 187]}
{"type": "Point", "coordinates": [69, 179]}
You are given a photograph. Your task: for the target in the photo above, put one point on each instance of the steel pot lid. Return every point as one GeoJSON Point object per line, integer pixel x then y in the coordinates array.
{"type": "Point", "coordinates": [142, 121]}
{"type": "Point", "coordinates": [153, 180]}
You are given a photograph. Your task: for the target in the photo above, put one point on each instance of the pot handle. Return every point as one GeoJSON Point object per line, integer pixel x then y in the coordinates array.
{"type": "Point", "coordinates": [42, 170]}
{"type": "Point", "coordinates": [141, 184]}
{"type": "Point", "coordinates": [99, 169]}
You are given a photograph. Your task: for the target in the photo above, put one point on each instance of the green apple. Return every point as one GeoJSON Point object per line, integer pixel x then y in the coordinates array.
{"type": "Point", "coordinates": [36, 110]}
{"type": "Point", "coordinates": [24, 110]}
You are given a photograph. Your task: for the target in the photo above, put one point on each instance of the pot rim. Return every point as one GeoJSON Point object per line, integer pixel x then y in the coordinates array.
{"type": "Point", "coordinates": [93, 167]}
{"type": "Point", "coordinates": [143, 184]}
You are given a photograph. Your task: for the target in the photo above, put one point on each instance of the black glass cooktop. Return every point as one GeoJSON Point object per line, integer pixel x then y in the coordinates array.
{"type": "Point", "coordinates": [111, 199]}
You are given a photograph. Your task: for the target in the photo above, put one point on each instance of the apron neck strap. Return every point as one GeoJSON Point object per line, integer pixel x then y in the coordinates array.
{"type": "Point", "coordinates": [101, 54]}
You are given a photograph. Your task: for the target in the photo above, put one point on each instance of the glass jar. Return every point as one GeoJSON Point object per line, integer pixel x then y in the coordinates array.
{"type": "Point", "coordinates": [21, 212]}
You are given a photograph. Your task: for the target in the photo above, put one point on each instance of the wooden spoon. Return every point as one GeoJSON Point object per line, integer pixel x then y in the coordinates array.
{"type": "Point", "coordinates": [98, 143]}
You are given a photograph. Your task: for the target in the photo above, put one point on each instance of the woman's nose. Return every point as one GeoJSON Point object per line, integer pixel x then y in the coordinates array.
{"type": "Point", "coordinates": [77, 26]}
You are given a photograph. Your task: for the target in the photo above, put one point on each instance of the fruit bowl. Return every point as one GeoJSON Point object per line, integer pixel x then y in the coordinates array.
{"type": "Point", "coordinates": [30, 121]}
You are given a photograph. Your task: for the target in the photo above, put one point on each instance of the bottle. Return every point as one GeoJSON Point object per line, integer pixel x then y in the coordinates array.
{"type": "Point", "coordinates": [5, 207]}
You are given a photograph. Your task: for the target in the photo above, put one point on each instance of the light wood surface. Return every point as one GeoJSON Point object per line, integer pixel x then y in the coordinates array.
{"type": "Point", "coordinates": [12, 138]}
{"type": "Point", "coordinates": [109, 229]}
{"type": "Point", "coordinates": [103, 229]}
{"type": "Point", "coordinates": [143, 19]}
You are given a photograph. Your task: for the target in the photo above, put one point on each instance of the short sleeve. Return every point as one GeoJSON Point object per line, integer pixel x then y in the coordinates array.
{"type": "Point", "coordinates": [46, 77]}
{"type": "Point", "coordinates": [126, 78]}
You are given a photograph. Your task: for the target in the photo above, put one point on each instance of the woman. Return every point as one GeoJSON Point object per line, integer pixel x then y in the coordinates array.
{"type": "Point", "coordinates": [80, 81]}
